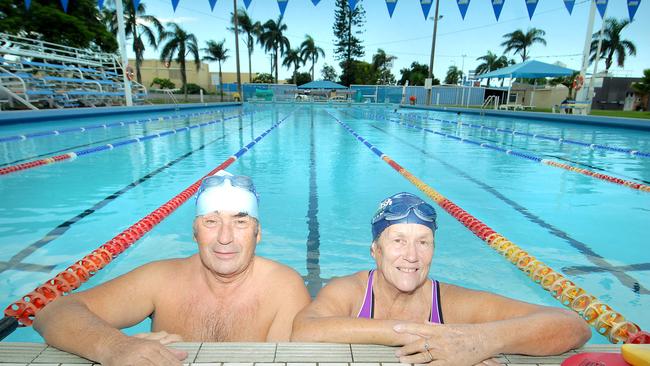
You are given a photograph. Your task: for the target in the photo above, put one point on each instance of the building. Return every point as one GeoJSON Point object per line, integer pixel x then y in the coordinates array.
{"type": "Point", "coordinates": [613, 93]}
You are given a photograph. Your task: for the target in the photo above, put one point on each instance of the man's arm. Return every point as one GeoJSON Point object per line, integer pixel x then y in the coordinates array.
{"type": "Point", "coordinates": [328, 319]}
{"type": "Point", "coordinates": [294, 297]}
{"type": "Point", "coordinates": [87, 323]}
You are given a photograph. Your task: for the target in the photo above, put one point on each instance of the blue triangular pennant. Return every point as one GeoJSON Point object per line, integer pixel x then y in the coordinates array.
{"type": "Point", "coordinates": [352, 4]}
{"type": "Point", "coordinates": [283, 5]}
{"type": "Point", "coordinates": [426, 7]}
{"type": "Point", "coordinates": [390, 4]}
{"type": "Point", "coordinates": [497, 5]}
{"type": "Point", "coordinates": [531, 5]}
{"type": "Point", "coordinates": [64, 4]}
{"type": "Point", "coordinates": [136, 3]}
{"type": "Point", "coordinates": [28, 3]}
{"type": "Point", "coordinates": [315, 2]}
{"type": "Point", "coordinates": [569, 5]}
{"type": "Point", "coordinates": [175, 4]}
{"type": "Point", "coordinates": [212, 4]}
{"type": "Point", "coordinates": [632, 6]}
{"type": "Point", "coordinates": [601, 5]}
{"type": "Point", "coordinates": [247, 3]}
{"type": "Point", "coordinates": [462, 6]}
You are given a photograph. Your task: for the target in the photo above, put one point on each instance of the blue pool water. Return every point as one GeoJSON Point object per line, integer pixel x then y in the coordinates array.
{"type": "Point", "coordinates": [318, 188]}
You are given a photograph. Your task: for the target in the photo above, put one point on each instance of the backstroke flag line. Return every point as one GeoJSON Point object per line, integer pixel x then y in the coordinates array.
{"type": "Point", "coordinates": [569, 5]}
{"type": "Point", "coordinates": [283, 6]}
{"type": "Point", "coordinates": [531, 5]}
{"type": "Point", "coordinates": [390, 4]}
{"type": "Point", "coordinates": [497, 5]}
{"type": "Point", "coordinates": [426, 7]}
{"type": "Point", "coordinates": [632, 6]}
{"type": "Point", "coordinates": [462, 6]}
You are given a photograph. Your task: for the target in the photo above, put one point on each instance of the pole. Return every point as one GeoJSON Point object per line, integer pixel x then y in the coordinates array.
{"type": "Point", "coordinates": [121, 39]}
{"type": "Point", "coordinates": [237, 50]}
{"type": "Point", "coordinates": [582, 93]}
{"type": "Point", "coordinates": [433, 51]}
{"type": "Point", "coordinates": [590, 88]}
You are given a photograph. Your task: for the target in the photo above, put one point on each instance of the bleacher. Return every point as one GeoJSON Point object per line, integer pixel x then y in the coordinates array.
{"type": "Point", "coordinates": [37, 74]}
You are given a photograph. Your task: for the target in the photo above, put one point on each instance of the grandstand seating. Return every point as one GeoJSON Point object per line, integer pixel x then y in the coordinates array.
{"type": "Point", "coordinates": [37, 74]}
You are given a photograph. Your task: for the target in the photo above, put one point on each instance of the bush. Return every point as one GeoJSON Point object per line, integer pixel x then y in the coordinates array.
{"type": "Point", "coordinates": [194, 89]}
{"type": "Point", "coordinates": [163, 83]}
{"type": "Point", "coordinates": [264, 78]}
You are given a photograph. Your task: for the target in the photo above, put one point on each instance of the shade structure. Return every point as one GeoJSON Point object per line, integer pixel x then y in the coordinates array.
{"type": "Point", "coordinates": [321, 84]}
{"type": "Point", "coordinates": [528, 69]}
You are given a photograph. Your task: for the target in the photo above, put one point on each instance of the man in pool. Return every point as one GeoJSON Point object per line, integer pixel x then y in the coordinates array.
{"type": "Point", "coordinates": [436, 323]}
{"type": "Point", "coordinates": [223, 293]}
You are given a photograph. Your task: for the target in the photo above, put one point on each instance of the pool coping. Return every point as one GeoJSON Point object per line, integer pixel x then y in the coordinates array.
{"type": "Point", "coordinates": [621, 122]}
{"type": "Point", "coordinates": [268, 354]}
{"type": "Point", "coordinates": [26, 116]}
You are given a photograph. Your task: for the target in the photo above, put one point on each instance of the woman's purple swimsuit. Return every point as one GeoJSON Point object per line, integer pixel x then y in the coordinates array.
{"type": "Point", "coordinates": [368, 307]}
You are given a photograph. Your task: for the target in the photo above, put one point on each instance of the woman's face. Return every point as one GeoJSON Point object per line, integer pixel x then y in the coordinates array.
{"type": "Point", "coordinates": [403, 253]}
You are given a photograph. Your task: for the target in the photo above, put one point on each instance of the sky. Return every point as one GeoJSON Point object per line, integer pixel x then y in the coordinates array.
{"type": "Point", "coordinates": [408, 34]}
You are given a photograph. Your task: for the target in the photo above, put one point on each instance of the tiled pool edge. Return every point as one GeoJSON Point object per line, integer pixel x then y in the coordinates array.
{"type": "Point", "coordinates": [621, 122]}
{"type": "Point", "coordinates": [267, 354]}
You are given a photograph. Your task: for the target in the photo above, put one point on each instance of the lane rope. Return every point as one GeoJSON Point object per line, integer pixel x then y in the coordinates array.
{"type": "Point", "coordinates": [70, 279]}
{"type": "Point", "coordinates": [25, 136]}
{"type": "Point", "coordinates": [528, 156]}
{"type": "Point", "coordinates": [560, 140]}
{"type": "Point", "coordinates": [596, 313]}
{"type": "Point", "coordinates": [75, 154]}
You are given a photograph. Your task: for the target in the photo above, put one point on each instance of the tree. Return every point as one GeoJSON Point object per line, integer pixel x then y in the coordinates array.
{"type": "Point", "coordinates": [328, 73]}
{"type": "Point", "coordinates": [416, 75]}
{"type": "Point", "coordinates": [251, 29]}
{"type": "Point", "coordinates": [216, 52]}
{"type": "Point", "coordinates": [347, 25]}
{"type": "Point", "coordinates": [45, 20]}
{"type": "Point", "coordinates": [163, 83]}
{"type": "Point", "coordinates": [566, 81]}
{"type": "Point", "coordinates": [310, 52]}
{"type": "Point", "coordinates": [181, 44]}
{"type": "Point", "coordinates": [491, 62]}
{"type": "Point", "coordinates": [382, 65]}
{"type": "Point", "coordinates": [292, 58]}
{"type": "Point", "coordinates": [453, 75]}
{"type": "Point", "coordinates": [300, 78]}
{"type": "Point", "coordinates": [520, 42]}
{"type": "Point", "coordinates": [137, 24]}
{"type": "Point", "coordinates": [272, 38]}
{"type": "Point", "coordinates": [264, 78]}
{"type": "Point", "coordinates": [612, 44]}
{"type": "Point", "coordinates": [643, 87]}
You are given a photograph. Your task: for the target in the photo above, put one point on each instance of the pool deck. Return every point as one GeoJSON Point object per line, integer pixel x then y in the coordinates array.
{"type": "Point", "coordinates": [266, 354]}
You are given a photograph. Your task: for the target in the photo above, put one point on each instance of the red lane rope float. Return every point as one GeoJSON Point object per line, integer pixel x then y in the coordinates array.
{"type": "Point", "coordinates": [531, 157]}
{"type": "Point", "coordinates": [25, 309]}
{"type": "Point", "coordinates": [91, 150]}
{"type": "Point", "coordinates": [599, 315]}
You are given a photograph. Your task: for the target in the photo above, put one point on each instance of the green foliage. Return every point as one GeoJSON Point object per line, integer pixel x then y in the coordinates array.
{"type": "Point", "coordinates": [520, 42]}
{"type": "Point", "coordinates": [347, 26]}
{"type": "Point", "coordinates": [363, 73]}
{"type": "Point", "coordinates": [566, 81]}
{"type": "Point", "coordinates": [249, 28]}
{"type": "Point", "coordinates": [310, 52]}
{"type": "Point", "coordinates": [179, 44]}
{"type": "Point", "coordinates": [612, 44]}
{"type": "Point", "coordinates": [643, 86]}
{"type": "Point", "coordinates": [264, 78]}
{"type": "Point", "coordinates": [382, 64]}
{"type": "Point", "coordinates": [492, 62]}
{"type": "Point", "coordinates": [192, 88]}
{"type": "Point", "coordinates": [328, 73]}
{"type": "Point", "coordinates": [300, 78]}
{"type": "Point", "coordinates": [453, 76]}
{"type": "Point", "coordinates": [45, 20]}
{"type": "Point", "coordinates": [416, 74]}
{"type": "Point", "coordinates": [272, 38]}
{"type": "Point", "coordinates": [293, 58]}
{"type": "Point", "coordinates": [163, 83]}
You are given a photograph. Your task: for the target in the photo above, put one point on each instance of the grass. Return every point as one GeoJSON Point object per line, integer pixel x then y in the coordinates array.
{"type": "Point", "coordinates": [626, 114]}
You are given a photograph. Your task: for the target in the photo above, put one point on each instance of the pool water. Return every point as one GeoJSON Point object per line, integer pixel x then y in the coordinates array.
{"type": "Point", "coordinates": [319, 187]}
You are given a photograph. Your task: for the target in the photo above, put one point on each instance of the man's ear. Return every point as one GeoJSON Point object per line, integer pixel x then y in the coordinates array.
{"type": "Point", "coordinates": [259, 233]}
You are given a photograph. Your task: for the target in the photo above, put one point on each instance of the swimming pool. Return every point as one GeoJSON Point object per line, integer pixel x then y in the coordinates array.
{"type": "Point", "coordinates": [318, 188]}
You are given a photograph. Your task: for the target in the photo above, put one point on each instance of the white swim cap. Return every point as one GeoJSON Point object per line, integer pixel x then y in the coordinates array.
{"type": "Point", "coordinates": [226, 192]}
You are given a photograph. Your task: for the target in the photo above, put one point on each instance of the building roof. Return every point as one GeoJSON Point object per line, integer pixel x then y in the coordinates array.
{"type": "Point", "coordinates": [321, 84]}
{"type": "Point", "coordinates": [529, 69]}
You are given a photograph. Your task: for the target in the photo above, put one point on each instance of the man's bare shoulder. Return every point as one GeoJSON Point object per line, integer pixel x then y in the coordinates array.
{"type": "Point", "coordinates": [277, 273]}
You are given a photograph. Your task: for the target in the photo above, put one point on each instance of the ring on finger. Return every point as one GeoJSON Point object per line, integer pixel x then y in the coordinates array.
{"type": "Point", "coordinates": [428, 352]}
{"type": "Point", "coordinates": [426, 346]}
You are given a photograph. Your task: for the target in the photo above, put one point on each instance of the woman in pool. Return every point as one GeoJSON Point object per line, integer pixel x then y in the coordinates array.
{"type": "Point", "coordinates": [398, 305]}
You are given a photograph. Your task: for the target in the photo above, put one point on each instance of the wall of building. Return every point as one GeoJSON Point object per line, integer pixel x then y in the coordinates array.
{"type": "Point", "coordinates": [545, 96]}
{"type": "Point", "coordinates": [152, 69]}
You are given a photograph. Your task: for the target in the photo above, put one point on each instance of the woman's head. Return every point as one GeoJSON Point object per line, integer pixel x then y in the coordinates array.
{"type": "Point", "coordinates": [403, 240]}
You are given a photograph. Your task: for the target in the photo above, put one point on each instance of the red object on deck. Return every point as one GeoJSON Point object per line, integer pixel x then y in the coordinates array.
{"type": "Point", "coordinates": [595, 359]}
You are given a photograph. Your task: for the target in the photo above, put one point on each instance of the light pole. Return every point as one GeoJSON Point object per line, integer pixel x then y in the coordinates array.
{"type": "Point", "coordinates": [433, 51]}
{"type": "Point", "coordinates": [241, 97]}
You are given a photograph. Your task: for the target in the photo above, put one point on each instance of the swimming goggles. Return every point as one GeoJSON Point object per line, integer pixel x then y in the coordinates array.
{"type": "Point", "coordinates": [403, 208]}
{"type": "Point", "coordinates": [239, 181]}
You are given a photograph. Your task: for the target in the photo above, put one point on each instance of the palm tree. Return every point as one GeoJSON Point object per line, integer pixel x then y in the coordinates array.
{"type": "Point", "coordinates": [643, 88]}
{"type": "Point", "coordinates": [520, 42]}
{"type": "Point", "coordinates": [273, 39]}
{"type": "Point", "coordinates": [250, 29]}
{"type": "Point", "coordinates": [293, 58]}
{"type": "Point", "coordinates": [181, 44]}
{"type": "Point", "coordinates": [309, 51]}
{"type": "Point", "coordinates": [612, 43]}
{"type": "Point", "coordinates": [137, 24]}
{"type": "Point", "coordinates": [491, 62]}
{"type": "Point", "coordinates": [381, 64]}
{"type": "Point", "coordinates": [216, 52]}
{"type": "Point", "coordinates": [567, 81]}
{"type": "Point", "coordinates": [453, 75]}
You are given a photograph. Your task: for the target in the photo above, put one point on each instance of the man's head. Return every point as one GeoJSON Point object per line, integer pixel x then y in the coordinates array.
{"type": "Point", "coordinates": [403, 237]}
{"type": "Point", "coordinates": [226, 225]}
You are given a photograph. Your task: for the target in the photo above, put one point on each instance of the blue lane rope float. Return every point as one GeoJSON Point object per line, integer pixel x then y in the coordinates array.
{"type": "Point", "coordinates": [23, 311]}
{"type": "Point", "coordinates": [602, 317]}
{"type": "Point", "coordinates": [523, 155]}
{"type": "Point", "coordinates": [57, 132]}
{"type": "Point", "coordinates": [560, 140]}
{"type": "Point", "coordinates": [75, 154]}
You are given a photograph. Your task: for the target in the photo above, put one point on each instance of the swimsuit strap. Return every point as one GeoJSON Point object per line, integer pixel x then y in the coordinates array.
{"type": "Point", "coordinates": [436, 310]}
{"type": "Point", "coordinates": [367, 310]}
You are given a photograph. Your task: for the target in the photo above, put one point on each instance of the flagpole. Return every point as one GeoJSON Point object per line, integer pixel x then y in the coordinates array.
{"type": "Point", "coordinates": [433, 52]}
{"type": "Point", "coordinates": [121, 38]}
{"type": "Point", "coordinates": [237, 51]}
{"type": "Point", "coordinates": [590, 88]}
{"type": "Point", "coordinates": [585, 52]}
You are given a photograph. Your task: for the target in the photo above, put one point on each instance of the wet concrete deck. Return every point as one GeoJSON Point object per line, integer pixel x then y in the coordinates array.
{"type": "Point", "coordinates": [265, 354]}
